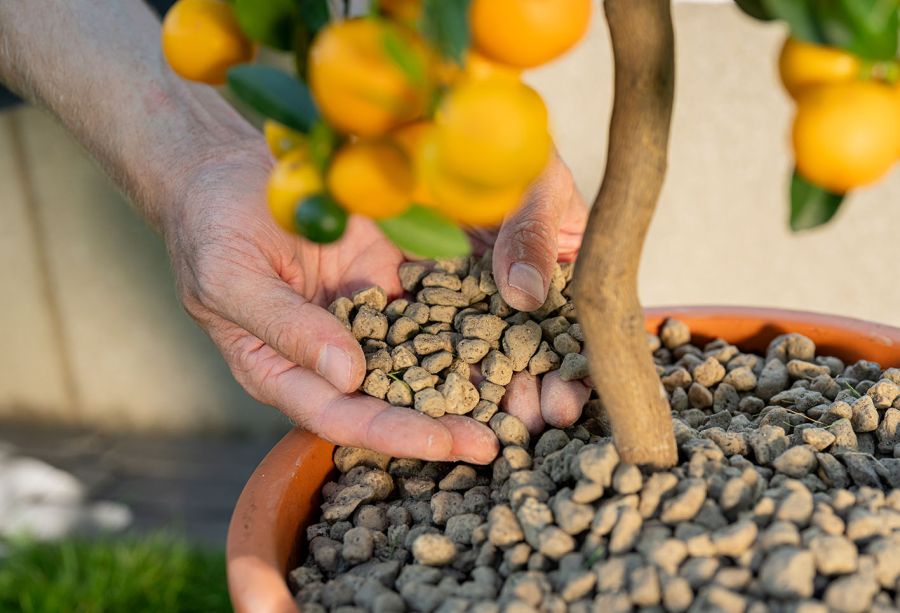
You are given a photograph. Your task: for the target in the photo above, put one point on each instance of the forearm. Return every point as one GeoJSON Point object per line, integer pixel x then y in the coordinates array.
{"type": "Point", "coordinates": [98, 67]}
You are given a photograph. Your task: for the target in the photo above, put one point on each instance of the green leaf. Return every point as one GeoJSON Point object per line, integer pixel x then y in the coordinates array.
{"type": "Point", "coordinates": [867, 28]}
{"type": "Point", "coordinates": [811, 205]}
{"type": "Point", "coordinates": [400, 51]}
{"type": "Point", "coordinates": [274, 94]}
{"type": "Point", "coordinates": [270, 22]}
{"type": "Point", "coordinates": [314, 14]}
{"type": "Point", "coordinates": [445, 23]}
{"type": "Point", "coordinates": [423, 232]}
{"type": "Point", "coordinates": [754, 8]}
{"type": "Point", "coordinates": [799, 16]}
{"type": "Point", "coordinates": [322, 142]}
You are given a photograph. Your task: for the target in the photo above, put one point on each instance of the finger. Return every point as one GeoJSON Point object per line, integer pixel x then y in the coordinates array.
{"type": "Point", "coordinates": [523, 399]}
{"type": "Point", "coordinates": [305, 334]}
{"type": "Point", "coordinates": [562, 401]}
{"type": "Point", "coordinates": [358, 420]}
{"type": "Point", "coordinates": [527, 245]}
{"type": "Point", "coordinates": [472, 440]}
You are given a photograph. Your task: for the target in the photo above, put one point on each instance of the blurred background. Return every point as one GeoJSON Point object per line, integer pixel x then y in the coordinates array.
{"type": "Point", "coordinates": [142, 410]}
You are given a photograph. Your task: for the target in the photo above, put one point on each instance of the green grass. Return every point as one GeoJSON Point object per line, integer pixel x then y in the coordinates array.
{"type": "Point", "coordinates": [157, 573]}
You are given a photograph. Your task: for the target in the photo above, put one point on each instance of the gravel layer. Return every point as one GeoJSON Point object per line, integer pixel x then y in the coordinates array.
{"type": "Point", "coordinates": [784, 499]}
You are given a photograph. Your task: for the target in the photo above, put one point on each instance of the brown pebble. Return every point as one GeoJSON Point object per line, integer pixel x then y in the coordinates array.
{"type": "Point", "coordinates": [544, 360]}
{"type": "Point", "coordinates": [380, 359]}
{"type": "Point", "coordinates": [373, 297]}
{"type": "Point", "coordinates": [418, 378]}
{"type": "Point", "coordinates": [574, 366]}
{"type": "Point", "coordinates": [369, 323]}
{"type": "Point", "coordinates": [376, 384]}
{"type": "Point", "coordinates": [442, 296]}
{"type": "Point", "coordinates": [491, 391]}
{"type": "Point", "coordinates": [485, 327]}
{"type": "Point", "coordinates": [499, 307]}
{"type": "Point", "coordinates": [442, 314]}
{"type": "Point", "coordinates": [436, 362]}
{"type": "Point", "coordinates": [497, 368]}
{"type": "Point", "coordinates": [403, 357]}
{"type": "Point", "coordinates": [341, 308]}
{"type": "Point", "coordinates": [425, 344]}
{"type": "Point", "coordinates": [459, 394]}
{"type": "Point", "coordinates": [472, 350]}
{"type": "Point", "coordinates": [430, 402]}
{"type": "Point", "coordinates": [411, 273]}
{"type": "Point", "coordinates": [565, 343]}
{"type": "Point", "coordinates": [520, 342]}
{"type": "Point", "coordinates": [401, 331]}
{"type": "Point", "coordinates": [418, 312]}
{"type": "Point", "coordinates": [510, 430]}
{"type": "Point", "coordinates": [395, 308]}
{"type": "Point", "coordinates": [399, 394]}
{"type": "Point", "coordinates": [442, 279]}
{"type": "Point", "coordinates": [484, 410]}
{"type": "Point", "coordinates": [486, 283]}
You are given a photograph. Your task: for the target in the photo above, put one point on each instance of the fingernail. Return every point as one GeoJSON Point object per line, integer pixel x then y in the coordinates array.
{"type": "Point", "coordinates": [526, 278]}
{"type": "Point", "coordinates": [334, 364]}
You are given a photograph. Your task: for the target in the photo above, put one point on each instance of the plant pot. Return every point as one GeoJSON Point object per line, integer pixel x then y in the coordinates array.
{"type": "Point", "coordinates": [282, 496]}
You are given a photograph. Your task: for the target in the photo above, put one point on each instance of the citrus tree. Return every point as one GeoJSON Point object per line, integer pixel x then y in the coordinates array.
{"type": "Point", "coordinates": [414, 115]}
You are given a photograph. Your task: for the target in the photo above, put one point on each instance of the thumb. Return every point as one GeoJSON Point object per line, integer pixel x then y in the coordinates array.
{"type": "Point", "coordinates": [527, 246]}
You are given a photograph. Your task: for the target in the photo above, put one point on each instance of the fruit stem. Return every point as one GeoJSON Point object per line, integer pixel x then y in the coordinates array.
{"type": "Point", "coordinates": [605, 295]}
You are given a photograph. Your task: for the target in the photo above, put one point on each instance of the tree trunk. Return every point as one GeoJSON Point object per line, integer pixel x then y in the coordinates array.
{"type": "Point", "coordinates": [606, 273]}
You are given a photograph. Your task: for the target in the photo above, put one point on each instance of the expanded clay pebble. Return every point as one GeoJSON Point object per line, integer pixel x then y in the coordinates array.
{"type": "Point", "coordinates": [783, 498]}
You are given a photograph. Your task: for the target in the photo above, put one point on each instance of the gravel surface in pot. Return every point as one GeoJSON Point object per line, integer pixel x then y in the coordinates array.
{"type": "Point", "coordinates": [784, 499]}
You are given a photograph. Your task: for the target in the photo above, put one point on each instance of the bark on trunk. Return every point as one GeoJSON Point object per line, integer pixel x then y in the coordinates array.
{"type": "Point", "coordinates": [606, 273]}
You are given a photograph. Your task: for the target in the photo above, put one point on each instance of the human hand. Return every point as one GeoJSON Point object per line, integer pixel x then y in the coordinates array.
{"type": "Point", "coordinates": [261, 294]}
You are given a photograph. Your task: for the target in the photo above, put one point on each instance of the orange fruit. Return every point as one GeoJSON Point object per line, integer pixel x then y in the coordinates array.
{"type": "Point", "coordinates": [527, 33]}
{"type": "Point", "coordinates": [846, 135]}
{"type": "Point", "coordinates": [803, 65]}
{"type": "Point", "coordinates": [358, 86]}
{"type": "Point", "coordinates": [201, 40]}
{"type": "Point", "coordinates": [407, 12]}
{"type": "Point", "coordinates": [412, 138]}
{"type": "Point", "coordinates": [461, 200]}
{"type": "Point", "coordinates": [294, 178]}
{"type": "Point", "coordinates": [372, 178]}
{"type": "Point", "coordinates": [478, 66]}
{"type": "Point", "coordinates": [492, 132]}
{"type": "Point", "coordinates": [281, 139]}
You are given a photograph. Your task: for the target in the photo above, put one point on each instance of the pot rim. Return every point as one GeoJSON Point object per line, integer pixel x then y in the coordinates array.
{"type": "Point", "coordinates": [283, 489]}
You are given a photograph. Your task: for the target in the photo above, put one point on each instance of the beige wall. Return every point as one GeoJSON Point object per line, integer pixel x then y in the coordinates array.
{"type": "Point", "coordinates": [91, 332]}
{"type": "Point", "coordinates": [720, 234]}
{"type": "Point", "coordinates": [103, 341]}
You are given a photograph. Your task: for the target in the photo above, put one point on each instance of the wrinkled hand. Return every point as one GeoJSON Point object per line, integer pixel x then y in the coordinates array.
{"type": "Point", "coordinates": [261, 294]}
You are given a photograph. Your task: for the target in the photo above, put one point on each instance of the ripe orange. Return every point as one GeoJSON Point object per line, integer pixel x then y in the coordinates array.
{"type": "Point", "coordinates": [281, 139]}
{"type": "Point", "coordinates": [803, 65]}
{"type": "Point", "coordinates": [407, 12]}
{"type": "Point", "coordinates": [294, 178]}
{"type": "Point", "coordinates": [847, 134]}
{"type": "Point", "coordinates": [461, 200]}
{"type": "Point", "coordinates": [412, 138]}
{"type": "Point", "coordinates": [492, 132]}
{"type": "Point", "coordinates": [358, 86]}
{"type": "Point", "coordinates": [478, 66]}
{"type": "Point", "coordinates": [527, 33]}
{"type": "Point", "coordinates": [201, 40]}
{"type": "Point", "coordinates": [372, 178]}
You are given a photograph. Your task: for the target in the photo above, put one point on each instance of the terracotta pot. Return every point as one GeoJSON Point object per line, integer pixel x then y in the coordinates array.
{"type": "Point", "coordinates": [282, 496]}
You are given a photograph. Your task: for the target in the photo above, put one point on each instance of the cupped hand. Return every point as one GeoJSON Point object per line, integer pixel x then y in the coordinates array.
{"type": "Point", "coordinates": [261, 294]}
